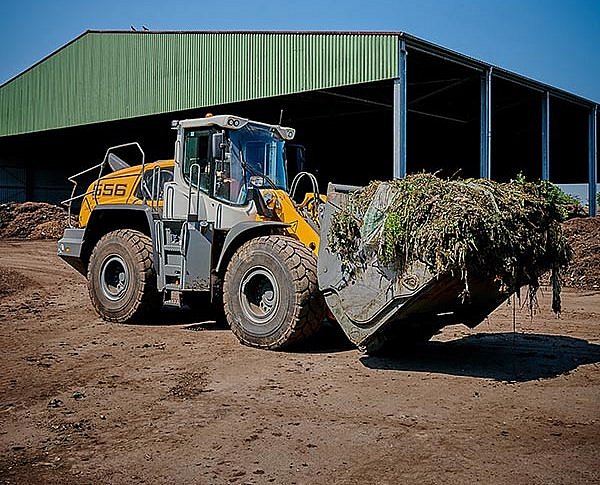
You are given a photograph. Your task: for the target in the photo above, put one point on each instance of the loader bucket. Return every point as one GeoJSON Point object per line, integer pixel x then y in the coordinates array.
{"type": "Point", "coordinates": [375, 305]}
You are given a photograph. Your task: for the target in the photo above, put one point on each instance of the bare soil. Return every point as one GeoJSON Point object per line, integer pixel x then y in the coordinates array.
{"type": "Point", "coordinates": [181, 401]}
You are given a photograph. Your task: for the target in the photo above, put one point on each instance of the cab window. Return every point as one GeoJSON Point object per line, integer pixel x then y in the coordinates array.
{"type": "Point", "coordinates": [229, 181]}
{"type": "Point", "coordinates": [196, 166]}
{"type": "Point", "coordinates": [153, 182]}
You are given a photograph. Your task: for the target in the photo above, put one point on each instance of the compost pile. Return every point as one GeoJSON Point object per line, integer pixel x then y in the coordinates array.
{"type": "Point", "coordinates": [32, 220]}
{"type": "Point", "coordinates": [509, 231]}
{"type": "Point", "coordinates": [584, 237]}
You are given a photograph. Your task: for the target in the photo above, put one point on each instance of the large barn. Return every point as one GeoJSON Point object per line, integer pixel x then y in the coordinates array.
{"type": "Point", "coordinates": [365, 105]}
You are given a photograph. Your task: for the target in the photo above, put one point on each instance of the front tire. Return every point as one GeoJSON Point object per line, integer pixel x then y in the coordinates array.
{"type": "Point", "coordinates": [271, 296]}
{"type": "Point", "coordinates": [121, 277]}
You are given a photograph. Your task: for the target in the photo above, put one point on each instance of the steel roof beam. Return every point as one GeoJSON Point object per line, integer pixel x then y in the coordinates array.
{"type": "Point", "coordinates": [357, 99]}
{"type": "Point", "coordinates": [440, 90]}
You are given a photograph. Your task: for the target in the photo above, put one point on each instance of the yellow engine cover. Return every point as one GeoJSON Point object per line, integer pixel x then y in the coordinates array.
{"type": "Point", "coordinates": [120, 187]}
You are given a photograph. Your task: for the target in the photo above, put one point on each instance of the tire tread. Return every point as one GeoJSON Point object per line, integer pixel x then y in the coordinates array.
{"type": "Point", "coordinates": [309, 307]}
{"type": "Point", "coordinates": [147, 299]}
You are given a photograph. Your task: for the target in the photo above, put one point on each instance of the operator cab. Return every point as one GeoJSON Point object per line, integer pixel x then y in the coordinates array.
{"type": "Point", "coordinates": [226, 157]}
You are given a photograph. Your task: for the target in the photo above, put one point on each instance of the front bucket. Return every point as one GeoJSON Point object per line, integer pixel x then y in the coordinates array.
{"type": "Point", "coordinates": [371, 303]}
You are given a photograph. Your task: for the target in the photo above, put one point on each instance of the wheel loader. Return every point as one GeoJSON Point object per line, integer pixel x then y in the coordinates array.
{"type": "Point", "coordinates": [222, 224]}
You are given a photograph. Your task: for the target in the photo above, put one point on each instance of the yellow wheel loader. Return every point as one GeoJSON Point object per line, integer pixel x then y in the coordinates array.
{"type": "Point", "coordinates": [220, 221]}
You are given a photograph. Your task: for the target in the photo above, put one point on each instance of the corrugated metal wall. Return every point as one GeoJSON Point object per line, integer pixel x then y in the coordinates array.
{"type": "Point", "coordinates": [12, 184]}
{"type": "Point", "coordinates": [108, 76]}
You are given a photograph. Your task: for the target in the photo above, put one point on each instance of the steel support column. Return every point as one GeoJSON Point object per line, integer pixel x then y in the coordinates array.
{"type": "Point", "coordinates": [546, 136]}
{"type": "Point", "coordinates": [485, 144]}
{"type": "Point", "coordinates": [400, 108]}
{"type": "Point", "coordinates": [593, 160]}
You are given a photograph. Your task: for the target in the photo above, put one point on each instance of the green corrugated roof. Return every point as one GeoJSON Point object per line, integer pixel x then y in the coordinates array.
{"type": "Point", "coordinates": [105, 76]}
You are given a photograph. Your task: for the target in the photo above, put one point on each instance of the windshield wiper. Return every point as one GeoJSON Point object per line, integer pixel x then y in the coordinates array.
{"type": "Point", "coordinates": [253, 171]}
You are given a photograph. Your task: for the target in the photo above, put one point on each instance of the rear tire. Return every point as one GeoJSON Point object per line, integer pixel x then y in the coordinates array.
{"type": "Point", "coordinates": [121, 277]}
{"type": "Point", "coordinates": [270, 293]}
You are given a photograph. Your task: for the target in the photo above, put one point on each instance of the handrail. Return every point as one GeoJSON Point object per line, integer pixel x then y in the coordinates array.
{"type": "Point", "coordinates": [68, 202]}
{"type": "Point", "coordinates": [156, 185]}
{"type": "Point", "coordinates": [198, 194]}
{"type": "Point", "coordinates": [169, 201]}
{"type": "Point", "coordinates": [74, 182]}
{"type": "Point", "coordinates": [153, 191]}
{"type": "Point", "coordinates": [189, 208]}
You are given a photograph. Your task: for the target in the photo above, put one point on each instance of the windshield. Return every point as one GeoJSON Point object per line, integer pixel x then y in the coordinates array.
{"type": "Point", "coordinates": [263, 154]}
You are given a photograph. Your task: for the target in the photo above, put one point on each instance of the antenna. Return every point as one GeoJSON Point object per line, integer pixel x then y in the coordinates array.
{"type": "Point", "coordinates": [280, 116]}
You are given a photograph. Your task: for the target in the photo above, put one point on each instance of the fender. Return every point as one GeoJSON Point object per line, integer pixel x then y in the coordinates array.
{"type": "Point", "coordinates": [77, 244]}
{"type": "Point", "coordinates": [242, 232]}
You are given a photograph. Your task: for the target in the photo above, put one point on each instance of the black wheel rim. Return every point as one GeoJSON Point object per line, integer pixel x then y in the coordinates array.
{"type": "Point", "coordinates": [114, 277]}
{"type": "Point", "coordinates": [259, 295]}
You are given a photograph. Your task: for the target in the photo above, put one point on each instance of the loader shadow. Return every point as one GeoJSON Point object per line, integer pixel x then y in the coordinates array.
{"type": "Point", "coordinates": [500, 356]}
{"type": "Point", "coordinates": [329, 339]}
{"type": "Point", "coordinates": [190, 320]}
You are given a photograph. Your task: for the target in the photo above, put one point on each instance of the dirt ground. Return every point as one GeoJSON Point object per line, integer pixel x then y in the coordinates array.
{"type": "Point", "coordinates": [180, 401]}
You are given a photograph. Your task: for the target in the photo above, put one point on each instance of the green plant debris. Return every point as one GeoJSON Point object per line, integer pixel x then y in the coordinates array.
{"type": "Point", "coordinates": [509, 231]}
{"type": "Point", "coordinates": [568, 205]}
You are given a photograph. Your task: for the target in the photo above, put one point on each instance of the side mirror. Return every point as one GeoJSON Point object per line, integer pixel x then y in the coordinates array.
{"type": "Point", "coordinates": [217, 145]}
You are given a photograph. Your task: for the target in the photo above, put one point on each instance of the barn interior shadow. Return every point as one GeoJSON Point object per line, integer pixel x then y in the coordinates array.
{"type": "Point", "coordinates": [512, 357]}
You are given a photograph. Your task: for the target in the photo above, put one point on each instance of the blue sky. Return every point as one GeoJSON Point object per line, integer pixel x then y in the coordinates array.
{"type": "Point", "coordinates": [557, 42]}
